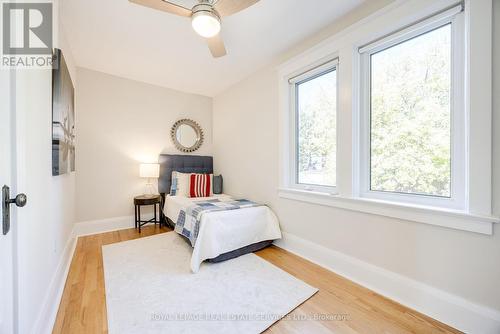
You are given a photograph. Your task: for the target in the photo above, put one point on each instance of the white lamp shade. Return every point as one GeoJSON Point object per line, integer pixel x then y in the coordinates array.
{"type": "Point", "coordinates": [149, 170]}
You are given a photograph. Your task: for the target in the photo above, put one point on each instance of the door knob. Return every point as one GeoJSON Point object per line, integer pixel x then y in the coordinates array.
{"type": "Point", "coordinates": [20, 201]}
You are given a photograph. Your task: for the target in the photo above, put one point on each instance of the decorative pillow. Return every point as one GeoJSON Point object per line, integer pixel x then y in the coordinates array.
{"type": "Point", "coordinates": [200, 185]}
{"type": "Point", "coordinates": [180, 184]}
{"type": "Point", "coordinates": [217, 184]}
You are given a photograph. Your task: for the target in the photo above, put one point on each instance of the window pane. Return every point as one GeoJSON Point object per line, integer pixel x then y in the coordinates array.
{"type": "Point", "coordinates": [411, 116]}
{"type": "Point", "coordinates": [316, 115]}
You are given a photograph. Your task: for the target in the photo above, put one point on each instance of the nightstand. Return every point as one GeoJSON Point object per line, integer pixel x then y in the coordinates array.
{"type": "Point", "coordinates": [145, 200]}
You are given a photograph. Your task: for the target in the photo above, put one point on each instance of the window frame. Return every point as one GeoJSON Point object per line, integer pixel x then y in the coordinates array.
{"type": "Point", "coordinates": [458, 153]}
{"type": "Point", "coordinates": [307, 74]}
{"type": "Point", "coordinates": [477, 215]}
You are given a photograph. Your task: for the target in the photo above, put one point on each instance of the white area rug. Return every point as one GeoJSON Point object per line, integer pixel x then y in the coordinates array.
{"type": "Point", "coordinates": [150, 289]}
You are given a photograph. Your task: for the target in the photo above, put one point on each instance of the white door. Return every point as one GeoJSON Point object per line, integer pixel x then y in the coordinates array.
{"type": "Point", "coordinates": [7, 258]}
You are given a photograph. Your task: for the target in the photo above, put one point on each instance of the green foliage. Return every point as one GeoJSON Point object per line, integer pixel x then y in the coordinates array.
{"type": "Point", "coordinates": [317, 130]}
{"type": "Point", "coordinates": [410, 118]}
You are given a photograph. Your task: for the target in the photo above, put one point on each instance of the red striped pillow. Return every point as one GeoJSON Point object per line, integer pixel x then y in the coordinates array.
{"type": "Point", "coordinates": [200, 185]}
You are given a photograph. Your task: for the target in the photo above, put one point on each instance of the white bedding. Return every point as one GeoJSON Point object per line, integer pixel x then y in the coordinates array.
{"type": "Point", "coordinates": [225, 231]}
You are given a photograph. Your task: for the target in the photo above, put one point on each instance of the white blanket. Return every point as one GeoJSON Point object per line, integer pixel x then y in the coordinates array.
{"type": "Point", "coordinates": [225, 231]}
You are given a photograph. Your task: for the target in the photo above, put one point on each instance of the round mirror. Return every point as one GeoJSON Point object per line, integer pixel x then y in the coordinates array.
{"type": "Point", "coordinates": [187, 135]}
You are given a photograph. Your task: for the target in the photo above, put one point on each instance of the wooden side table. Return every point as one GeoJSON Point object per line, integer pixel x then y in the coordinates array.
{"type": "Point", "coordinates": [144, 200]}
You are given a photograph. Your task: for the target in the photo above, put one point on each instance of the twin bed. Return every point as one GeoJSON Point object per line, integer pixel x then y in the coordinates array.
{"type": "Point", "coordinates": [222, 234]}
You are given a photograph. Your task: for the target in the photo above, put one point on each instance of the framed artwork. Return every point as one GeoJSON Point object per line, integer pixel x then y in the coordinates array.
{"type": "Point", "coordinates": [63, 117]}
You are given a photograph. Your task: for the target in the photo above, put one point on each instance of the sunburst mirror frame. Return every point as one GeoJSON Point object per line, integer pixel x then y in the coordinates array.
{"type": "Point", "coordinates": [199, 135]}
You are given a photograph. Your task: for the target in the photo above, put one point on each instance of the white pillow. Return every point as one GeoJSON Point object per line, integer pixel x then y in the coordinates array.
{"type": "Point", "coordinates": [180, 184]}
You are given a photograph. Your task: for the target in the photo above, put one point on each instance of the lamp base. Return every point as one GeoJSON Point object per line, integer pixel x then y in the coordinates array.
{"type": "Point", "coordinates": [149, 190]}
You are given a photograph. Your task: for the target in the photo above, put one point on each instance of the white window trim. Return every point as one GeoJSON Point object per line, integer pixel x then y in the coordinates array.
{"type": "Point", "coordinates": [457, 200]}
{"type": "Point", "coordinates": [455, 219]}
{"type": "Point", "coordinates": [477, 216]}
{"type": "Point", "coordinates": [293, 79]}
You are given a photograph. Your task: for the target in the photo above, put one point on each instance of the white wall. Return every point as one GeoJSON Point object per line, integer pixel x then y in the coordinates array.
{"type": "Point", "coordinates": [122, 123]}
{"type": "Point", "coordinates": [45, 224]}
{"type": "Point", "coordinates": [246, 153]}
{"type": "Point", "coordinates": [496, 107]}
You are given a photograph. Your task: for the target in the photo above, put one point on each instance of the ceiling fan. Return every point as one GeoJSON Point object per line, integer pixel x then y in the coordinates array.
{"type": "Point", "coordinates": [205, 17]}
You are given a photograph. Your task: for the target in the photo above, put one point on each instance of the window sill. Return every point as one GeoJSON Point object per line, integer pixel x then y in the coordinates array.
{"type": "Point", "coordinates": [459, 220]}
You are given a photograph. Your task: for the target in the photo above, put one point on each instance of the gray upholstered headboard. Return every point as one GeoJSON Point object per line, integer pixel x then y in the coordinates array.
{"type": "Point", "coordinates": [181, 163]}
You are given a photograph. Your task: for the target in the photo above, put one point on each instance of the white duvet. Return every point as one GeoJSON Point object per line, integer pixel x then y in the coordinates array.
{"type": "Point", "coordinates": [225, 231]}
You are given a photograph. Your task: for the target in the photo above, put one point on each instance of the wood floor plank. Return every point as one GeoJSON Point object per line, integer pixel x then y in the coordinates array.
{"type": "Point", "coordinates": [341, 306]}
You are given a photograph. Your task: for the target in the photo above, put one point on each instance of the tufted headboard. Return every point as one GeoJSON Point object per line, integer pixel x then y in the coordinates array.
{"type": "Point", "coordinates": [181, 163]}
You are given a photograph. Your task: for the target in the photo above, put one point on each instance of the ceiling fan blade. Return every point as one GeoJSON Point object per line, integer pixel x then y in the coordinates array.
{"type": "Point", "coordinates": [229, 7]}
{"type": "Point", "coordinates": [164, 6]}
{"type": "Point", "coordinates": [216, 46]}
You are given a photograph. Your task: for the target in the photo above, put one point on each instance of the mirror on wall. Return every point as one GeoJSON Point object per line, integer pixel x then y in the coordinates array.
{"type": "Point", "coordinates": [187, 135]}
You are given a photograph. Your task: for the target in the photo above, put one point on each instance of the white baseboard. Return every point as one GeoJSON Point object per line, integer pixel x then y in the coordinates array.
{"type": "Point", "coordinates": [47, 316]}
{"type": "Point", "coordinates": [438, 304]}
{"type": "Point", "coordinates": [104, 225]}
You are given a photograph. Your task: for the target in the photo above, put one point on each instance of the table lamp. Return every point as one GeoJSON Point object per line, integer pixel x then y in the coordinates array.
{"type": "Point", "coordinates": [149, 171]}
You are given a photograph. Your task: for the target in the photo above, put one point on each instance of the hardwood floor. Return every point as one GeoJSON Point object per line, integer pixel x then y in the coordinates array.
{"type": "Point", "coordinates": [350, 308]}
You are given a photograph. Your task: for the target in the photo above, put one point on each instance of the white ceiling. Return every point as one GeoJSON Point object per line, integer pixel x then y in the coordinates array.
{"type": "Point", "coordinates": [135, 42]}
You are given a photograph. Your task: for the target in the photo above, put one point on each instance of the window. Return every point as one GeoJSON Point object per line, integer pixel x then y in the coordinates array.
{"type": "Point", "coordinates": [413, 117]}
{"type": "Point", "coordinates": [409, 134]}
{"type": "Point", "coordinates": [315, 110]}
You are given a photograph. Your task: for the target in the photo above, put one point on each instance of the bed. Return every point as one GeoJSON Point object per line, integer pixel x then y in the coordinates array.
{"type": "Point", "coordinates": [223, 235]}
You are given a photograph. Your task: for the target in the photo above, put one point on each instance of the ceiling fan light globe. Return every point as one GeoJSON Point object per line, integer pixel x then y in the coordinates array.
{"type": "Point", "coordinates": [206, 24]}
